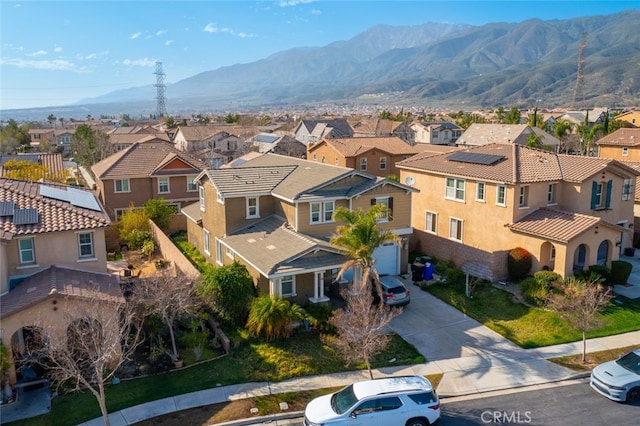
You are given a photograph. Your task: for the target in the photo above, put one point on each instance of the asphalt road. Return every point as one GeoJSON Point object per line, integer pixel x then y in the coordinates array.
{"type": "Point", "coordinates": [573, 404]}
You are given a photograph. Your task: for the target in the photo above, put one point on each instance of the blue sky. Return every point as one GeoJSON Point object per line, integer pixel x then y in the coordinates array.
{"type": "Point", "coordinates": [58, 52]}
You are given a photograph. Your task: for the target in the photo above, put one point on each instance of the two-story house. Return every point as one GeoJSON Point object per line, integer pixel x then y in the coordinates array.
{"type": "Point", "coordinates": [52, 256]}
{"type": "Point", "coordinates": [377, 156]}
{"type": "Point", "coordinates": [274, 214]}
{"type": "Point", "coordinates": [144, 171]}
{"type": "Point", "coordinates": [476, 204]}
{"type": "Point", "coordinates": [312, 131]}
{"type": "Point", "coordinates": [436, 133]}
{"type": "Point", "coordinates": [485, 133]}
{"type": "Point", "coordinates": [631, 117]}
{"type": "Point", "coordinates": [198, 138]}
{"type": "Point", "coordinates": [377, 127]}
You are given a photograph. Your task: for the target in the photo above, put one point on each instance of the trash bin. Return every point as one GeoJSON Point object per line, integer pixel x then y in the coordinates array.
{"type": "Point", "coordinates": [428, 271]}
{"type": "Point", "coordinates": [417, 271]}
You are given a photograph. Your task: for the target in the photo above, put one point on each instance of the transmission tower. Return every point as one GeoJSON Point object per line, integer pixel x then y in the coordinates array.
{"type": "Point", "coordinates": [161, 108]}
{"type": "Point", "coordinates": [578, 93]}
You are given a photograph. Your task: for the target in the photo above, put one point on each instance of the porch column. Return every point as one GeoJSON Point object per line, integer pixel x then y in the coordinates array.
{"type": "Point", "coordinates": [318, 285]}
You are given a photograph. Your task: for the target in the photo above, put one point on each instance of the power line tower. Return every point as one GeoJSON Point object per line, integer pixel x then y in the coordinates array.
{"type": "Point", "coordinates": [161, 108]}
{"type": "Point", "coordinates": [578, 93]}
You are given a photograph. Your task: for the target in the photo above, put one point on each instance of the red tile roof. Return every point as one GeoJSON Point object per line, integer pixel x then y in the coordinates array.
{"type": "Point", "coordinates": [622, 137]}
{"type": "Point", "coordinates": [350, 147]}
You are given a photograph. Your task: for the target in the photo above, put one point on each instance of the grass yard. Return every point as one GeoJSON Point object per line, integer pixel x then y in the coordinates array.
{"type": "Point", "coordinates": [253, 361]}
{"type": "Point", "coordinates": [574, 362]}
{"type": "Point", "coordinates": [532, 327]}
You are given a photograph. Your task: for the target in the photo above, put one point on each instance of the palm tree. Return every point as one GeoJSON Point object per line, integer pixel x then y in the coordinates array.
{"type": "Point", "coordinates": [588, 135]}
{"type": "Point", "coordinates": [562, 129]}
{"type": "Point", "coordinates": [359, 237]}
{"type": "Point", "coordinates": [273, 317]}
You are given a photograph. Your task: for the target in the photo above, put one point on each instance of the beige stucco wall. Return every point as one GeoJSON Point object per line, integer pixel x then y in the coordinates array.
{"type": "Point", "coordinates": [616, 152]}
{"type": "Point", "coordinates": [58, 248]}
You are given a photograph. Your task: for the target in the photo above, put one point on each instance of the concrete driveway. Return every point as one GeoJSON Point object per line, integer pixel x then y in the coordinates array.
{"type": "Point", "coordinates": [472, 357]}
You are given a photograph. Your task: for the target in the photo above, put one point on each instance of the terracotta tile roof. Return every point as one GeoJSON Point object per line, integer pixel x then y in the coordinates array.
{"type": "Point", "coordinates": [144, 160]}
{"type": "Point", "coordinates": [199, 133]}
{"type": "Point", "coordinates": [57, 281]}
{"type": "Point", "coordinates": [270, 245]}
{"type": "Point", "coordinates": [53, 162]}
{"type": "Point", "coordinates": [520, 164]}
{"type": "Point", "coordinates": [556, 225]}
{"type": "Point", "coordinates": [53, 215]}
{"type": "Point", "coordinates": [623, 137]}
{"type": "Point", "coordinates": [350, 147]}
{"type": "Point", "coordinates": [131, 138]}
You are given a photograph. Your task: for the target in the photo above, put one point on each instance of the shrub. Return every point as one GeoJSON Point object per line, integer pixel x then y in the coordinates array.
{"type": "Point", "coordinates": [137, 237]}
{"type": "Point", "coordinates": [601, 271]}
{"type": "Point", "coordinates": [620, 271]}
{"type": "Point", "coordinates": [454, 276]}
{"type": "Point", "coordinates": [518, 263]}
{"type": "Point", "coordinates": [148, 247]}
{"type": "Point", "coordinates": [547, 278]}
{"type": "Point", "coordinates": [159, 212]}
{"type": "Point", "coordinates": [318, 315]}
{"type": "Point", "coordinates": [535, 290]}
{"type": "Point", "coordinates": [273, 317]}
{"type": "Point", "coordinates": [443, 265]}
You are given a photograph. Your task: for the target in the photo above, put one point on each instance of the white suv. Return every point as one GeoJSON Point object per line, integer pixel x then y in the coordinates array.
{"type": "Point", "coordinates": [403, 401]}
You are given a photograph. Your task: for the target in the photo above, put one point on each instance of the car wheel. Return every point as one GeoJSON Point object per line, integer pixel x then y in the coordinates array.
{"type": "Point", "coordinates": [633, 395]}
{"type": "Point", "coordinates": [417, 422]}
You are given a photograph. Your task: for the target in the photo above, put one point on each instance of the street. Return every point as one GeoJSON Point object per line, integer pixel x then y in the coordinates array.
{"type": "Point", "coordinates": [567, 404]}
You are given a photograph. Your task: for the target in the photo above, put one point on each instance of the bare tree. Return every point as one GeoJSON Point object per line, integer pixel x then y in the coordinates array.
{"type": "Point", "coordinates": [169, 297]}
{"type": "Point", "coordinates": [580, 302]}
{"type": "Point", "coordinates": [361, 326]}
{"type": "Point", "coordinates": [101, 335]}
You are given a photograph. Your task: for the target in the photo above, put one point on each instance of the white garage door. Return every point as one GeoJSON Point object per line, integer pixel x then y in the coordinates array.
{"type": "Point", "coordinates": [387, 259]}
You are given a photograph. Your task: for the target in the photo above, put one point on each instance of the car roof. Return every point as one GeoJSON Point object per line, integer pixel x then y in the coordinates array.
{"type": "Point", "coordinates": [391, 385]}
{"type": "Point", "coordinates": [390, 280]}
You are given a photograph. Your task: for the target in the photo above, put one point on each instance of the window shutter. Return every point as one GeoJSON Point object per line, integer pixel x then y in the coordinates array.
{"type": "Point", "coordinates": [390, 209]}
{"type": "Point", "coordinates": [594, 191]}
{"type": "Point", "coordinates": [373, 201]}
{"type": "Point", "coordinates": [609, 190]}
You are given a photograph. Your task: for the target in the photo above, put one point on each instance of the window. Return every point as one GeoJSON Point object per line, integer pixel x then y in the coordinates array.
{"type": "Point", "coordinates": [85, 241]}
{"type": "Point", "coordinates": [229, 252]}
{"type": "Point", "coordinates": [192, 186]}
{"type": "Point", "coordinates": [337, 161]}
{"type": "Point", "coordinates": [218, 252]}
{"type": "Point", "coordinates": [121, 185]}
{"type": "Point", "coordinates": [324, 159]}
{"type": "Point", "coordinates": [523, 198]}
{"type": "Point", "coordinates": [322, 212]}
{"type": "Point", "coordinates": [163, 185]}
{"type": "Point", "coordinates": [27, 252]}
{"type": "Point", "coordinates": [501, 195]}
{"type": "Point", "coordinates": [253, 208]}
{"type": "Point", "coordinates": [627, 193]}
{"type": "Point", "coordinates": [455, 189]}
{"type": "Point", "coordinates": [363, 163]}
{"type": "Point", "coordinates": [601, 194]}
{"type": "Point", "coordinates": [287, 286]}
{"type": "Point", "coordinates": [480, 191]}
{"type": "Point", "coordinates": [552, 253]}
{"type": "Point", "coordinates": [207, 242]}
{"type": "Point", "coordinates": [383, 163]}
{"type": "Point", "coordinates": [551, 194]}
{"type": "Point", "coordinates": [455, 229]}
{"type": "Point", "coordinates": [315, 157]}
{"type": "Point", "coordinates": [431, 225]}
{"type": "Point", "coordinates": [625, 151]}
{"type": "Point", "coordinates": [201, 196]}
{"type": "Point", "coordinates": [388, 203]}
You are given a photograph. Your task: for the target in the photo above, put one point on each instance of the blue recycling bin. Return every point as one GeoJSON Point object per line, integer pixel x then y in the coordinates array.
{"type": "Point", "coordinates": [428, 271]}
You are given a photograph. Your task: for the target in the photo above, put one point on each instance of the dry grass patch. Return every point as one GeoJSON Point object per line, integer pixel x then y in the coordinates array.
{"type": "Point", "coordinates": [574, 362]}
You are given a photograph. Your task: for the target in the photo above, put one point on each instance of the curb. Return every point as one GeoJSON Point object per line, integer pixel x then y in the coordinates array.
{"type": "Point", "coordinates": [264, 419]}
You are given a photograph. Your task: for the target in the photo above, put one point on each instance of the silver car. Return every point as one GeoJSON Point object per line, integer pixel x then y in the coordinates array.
{"type": "Point", "coordinates": [394, 292]}
{"type": "Point", "coordinates": [619, 380]}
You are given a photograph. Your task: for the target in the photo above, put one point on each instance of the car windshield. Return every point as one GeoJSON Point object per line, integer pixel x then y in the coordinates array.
{"type": "Point", "coordinates": [343, 400]}
{"type": "Point", "coordinates": [631, 362]}
{"type": "Point", "coordinates": [396, 290]}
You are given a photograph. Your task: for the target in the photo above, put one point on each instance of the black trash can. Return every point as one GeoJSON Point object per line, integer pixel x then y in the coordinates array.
{"type": "Point", "coordinates": [417, 271]}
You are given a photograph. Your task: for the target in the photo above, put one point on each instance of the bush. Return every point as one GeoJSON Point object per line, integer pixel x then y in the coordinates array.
{"type": "Point", "coordinates": [454, 276]}
{"type": "Point", "coordinates": [535, 290]}
{"type": "Point", "coordinates": [601, 271]}
{"type": "Point", "coordinates": [318, 315]}
{"type": "Point", "coordinates": [148, 247]}
{"type": "Point", "coordinates": [137, 238]}
{"type": "Point", "coordinates": [443, 265]}
{"type": "Point", "coordinates": [518, 263]}
{"type": "Point", "coordinates": [620, 271]}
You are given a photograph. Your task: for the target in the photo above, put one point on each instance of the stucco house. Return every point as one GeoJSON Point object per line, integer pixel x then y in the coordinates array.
{"type": "Point", "coordinates": [311, 131]}
{"type": "Point", "coordinates": [476, 204]}
{"type": "Point", "coordinates": [632, 117]}
{"type": "Point", "coordinates": [623, 144]}
{"type": "Point", "coordinates": [273, 213]}
{"type": "Point", "coordinates": [379, 127]}
{"type": "Point", "coordinates": [484, 133]}
{"type": "Point", "coordinates": [52, 256]}
{"type": "Point", "coordinates": [377, 156]}
{"type": "Point", "coordinates": [144, 171]}
{"type": "Point", "coordinates": [436, 133]}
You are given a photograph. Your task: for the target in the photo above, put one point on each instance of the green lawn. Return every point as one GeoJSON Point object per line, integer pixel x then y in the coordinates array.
{"type": "Point", "coordinates": [532, 327]}
{"type": "Point", "coordinates": [301, 355]}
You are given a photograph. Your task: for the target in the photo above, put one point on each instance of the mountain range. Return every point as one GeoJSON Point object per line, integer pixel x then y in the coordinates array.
{"type": "Point", "coordinates": [433, 64]}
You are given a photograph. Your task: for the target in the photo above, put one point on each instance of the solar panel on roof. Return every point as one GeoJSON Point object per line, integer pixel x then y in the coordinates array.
{"type": "Point", "coordinates": [475, 158]}
{"type": "Point", "coordinates": [84, 199]}
{"type": "Point", "coordinates": [6, 208]}
{"type": "Point", "coordinates": [55, 193]}
{"type": "Point", "coordinates": [25, 216]}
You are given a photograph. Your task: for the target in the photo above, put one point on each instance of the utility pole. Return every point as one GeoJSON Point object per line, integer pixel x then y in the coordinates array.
{"type": "Point", "coordinates": [578, 94]}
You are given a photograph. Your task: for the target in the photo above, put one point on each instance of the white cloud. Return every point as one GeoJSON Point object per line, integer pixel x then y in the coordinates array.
{"type": "Point", "coordinates": [316, 12]}
{"type": "Point", "coordinates": [168, 42]}
{"type": "Point", "coordinates": [212, 28]}
{"type": "Point", "coordinates": [161, 32]}
{"type": "Point", "coordinates": [56, 64]}
{"type": "Point", "coordinates": [145, 62]}
{"type": "Point", "coordinates": [17, 6]}
{"type": "Point", "coordinates": [91, 56]}
{"type": "Point", "coordinates": [38, 53]}
{"type": "Point", "coordinates": [58, 49]}
{"type": "Point", "coordinates": [135, 35]}
{"type": "Point", "coordinates": [287, 3]}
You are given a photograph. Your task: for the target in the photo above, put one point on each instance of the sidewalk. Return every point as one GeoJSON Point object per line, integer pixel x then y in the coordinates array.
{"type": "Point", "coordinates": [462, 376]}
